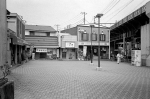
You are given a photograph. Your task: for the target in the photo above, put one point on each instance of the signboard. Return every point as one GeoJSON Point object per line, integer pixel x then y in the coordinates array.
{"type": "Point", "coordinates": [70, 44]}
{"type": "Point", "coordinates": [93, 43]}
{"type": "Point", "coordinates": [84, 50]}
{"type": "Point", "coordinates": [41, 50]}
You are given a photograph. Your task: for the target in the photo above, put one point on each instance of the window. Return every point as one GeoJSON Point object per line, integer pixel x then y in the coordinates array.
{"type": "Point", "coordinates": [85, 36]}
{"type": "Point", "coordinates": [40, 34]}
{"type": "Point", "coordinates": [102, 37]}
{"type": "Point", "coordinates": [94, 37]}
{"type": "Point", "coordinates": [31, 33]}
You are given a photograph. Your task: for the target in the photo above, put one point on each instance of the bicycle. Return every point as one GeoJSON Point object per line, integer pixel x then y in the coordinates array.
{"type": "Point", "coordinates": [5, 69]}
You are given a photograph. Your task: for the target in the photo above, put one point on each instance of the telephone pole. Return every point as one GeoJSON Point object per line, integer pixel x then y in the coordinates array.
{"type": "Point", "coordinates": [84, 13]}
{"type": "Point", "coordinates": [94, 19]}
{"type": "Point", "coordinates": [57, 25]}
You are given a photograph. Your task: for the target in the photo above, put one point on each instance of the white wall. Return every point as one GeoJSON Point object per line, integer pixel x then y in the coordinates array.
{"type": "Point", "coordinates": [145, 40]}
{"type": "Point", "coordinates": [12, 24]}
{"type": "Point", "coordinates": [27, 32]}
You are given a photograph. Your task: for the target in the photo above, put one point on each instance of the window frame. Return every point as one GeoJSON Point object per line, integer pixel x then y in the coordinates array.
{"type": "Point", "coordinates": [102, 37]}
{"type": "Point", "coordinates": [87, 36]}
{"type": "Point", "coordinates": [95, 37]}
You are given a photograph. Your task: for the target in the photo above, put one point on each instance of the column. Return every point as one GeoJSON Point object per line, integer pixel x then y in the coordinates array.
{"type": "Point", "coordinates": [16, 50]}
{"type": "Point", "coordinates": [3, 32]}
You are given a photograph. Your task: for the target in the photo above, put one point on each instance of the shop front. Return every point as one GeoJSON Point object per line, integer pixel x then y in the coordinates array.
{"type": "Point", "coordinates": [69, 50]}
{"type": "Point", "coordinates": [85, 48]}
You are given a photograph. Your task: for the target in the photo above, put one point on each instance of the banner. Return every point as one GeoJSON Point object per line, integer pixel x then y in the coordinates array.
{"type": "Point", "coordinates": [84, 50]}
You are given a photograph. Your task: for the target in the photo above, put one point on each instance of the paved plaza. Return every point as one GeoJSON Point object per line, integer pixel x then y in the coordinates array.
{"type": "Point", "coordinates": [44, 79]}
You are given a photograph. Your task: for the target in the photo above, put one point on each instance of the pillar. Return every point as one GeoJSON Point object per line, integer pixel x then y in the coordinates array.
{"type": "Point", "coordinates": [16, 50]}
{"type": "Point", "coordinates": [3, 32]}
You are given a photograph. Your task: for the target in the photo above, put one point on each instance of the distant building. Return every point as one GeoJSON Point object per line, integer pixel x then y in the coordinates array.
{"type": "Point", "coordinates": [85, 38]}
{"type": "Point", "coordinates": [43, 39]}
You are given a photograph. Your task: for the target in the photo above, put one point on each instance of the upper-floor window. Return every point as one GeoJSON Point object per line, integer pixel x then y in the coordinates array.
{"type": "Point", "coordinates": [102, 37]}
{"type": "Point", "coordinates": [85, 36]}
{"type": "Point", "coordinates": [32, 33]}
{"type": "Point", "coordinates": [94, 37]}
{"type": "Point", "coordinates": [40, 34]}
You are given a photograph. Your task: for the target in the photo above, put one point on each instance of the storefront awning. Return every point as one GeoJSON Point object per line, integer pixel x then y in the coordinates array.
{"type": "Point", "coordinates": [17, 40]}
{"type": "Point", "coordinates": [46, 46]}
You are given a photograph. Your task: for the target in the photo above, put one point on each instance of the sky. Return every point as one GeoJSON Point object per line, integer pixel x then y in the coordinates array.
{"type": "Point", "coordinates": [66, 12]}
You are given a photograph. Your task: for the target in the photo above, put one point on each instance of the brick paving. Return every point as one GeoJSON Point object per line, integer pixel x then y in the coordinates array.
{"type": "Point", "coordinates": [43, 79]}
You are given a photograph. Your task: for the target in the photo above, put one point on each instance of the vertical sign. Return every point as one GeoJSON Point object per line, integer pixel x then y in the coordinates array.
{"type": "Point", "coordinates": [84, 50]}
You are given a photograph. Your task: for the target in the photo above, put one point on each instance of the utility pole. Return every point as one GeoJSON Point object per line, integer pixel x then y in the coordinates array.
{"type": "Point", "coordinates": [84, 13]}
{"type": "Point", "coordinates": [94, 19]}
{"type": "Point", "coordinates": [57, 25]}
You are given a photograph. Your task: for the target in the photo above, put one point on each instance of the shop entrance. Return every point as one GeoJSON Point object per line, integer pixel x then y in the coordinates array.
{"type": "Point", "coordinates": [42, 55]}
{"type": "Point", "coordinates": [64, 55]}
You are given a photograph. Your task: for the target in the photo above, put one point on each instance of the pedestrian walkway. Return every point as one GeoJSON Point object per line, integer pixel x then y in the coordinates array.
{"type": "Point", "coordinates": [43, 79]}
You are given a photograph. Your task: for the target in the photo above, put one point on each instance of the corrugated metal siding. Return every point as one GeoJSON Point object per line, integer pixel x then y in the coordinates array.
{"type": "Point", "coordinates": [42, 41]}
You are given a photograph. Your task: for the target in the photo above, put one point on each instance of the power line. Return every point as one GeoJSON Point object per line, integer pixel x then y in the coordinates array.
{"type": "Point", "coordinates": [112, 7]}
{"type": "Point", "coordinates": [110, 14]}
{"type": "Point", "coordinates": [138, 5]}
{"type": "Point", "coordinates": [72, 19]}
{"type": "Point", "coordinates": [120, 10]}
{"type": "Point", "coordinates": [109, 5]}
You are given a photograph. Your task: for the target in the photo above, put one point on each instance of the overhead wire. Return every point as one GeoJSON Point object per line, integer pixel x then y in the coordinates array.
{"type": "Point", "coordinates": [108, 6]}
{"type": "Point", "coordinates": [121, 10]}
{"type": "Point", "coordinates": [112, 7]}
{"type": "Point", "coordinates": [72, 19]}
{"type": "Point", "coordinates": [110, 14]}
{"type": "Point", "coordinates": [141, 3]}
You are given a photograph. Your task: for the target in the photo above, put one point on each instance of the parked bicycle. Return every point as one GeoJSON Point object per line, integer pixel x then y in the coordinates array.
{"type": "Point", "coordinates": [5, 69]}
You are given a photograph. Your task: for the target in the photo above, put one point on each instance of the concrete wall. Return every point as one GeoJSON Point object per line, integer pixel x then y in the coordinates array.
{"type": "Point", "coordinates": [145, 43]}
{"type": "Point", "coordinates": [12, 24]}
{"type": "Point", "coordinates": [3, 34]}
{"type": "Point", "coordinates": [27, 33]}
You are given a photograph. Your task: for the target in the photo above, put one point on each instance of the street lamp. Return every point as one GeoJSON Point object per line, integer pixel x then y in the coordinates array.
{"type": "Point", "coordinates": [91, 45]}
{"type": "Point", "coordinates": [99, 16]}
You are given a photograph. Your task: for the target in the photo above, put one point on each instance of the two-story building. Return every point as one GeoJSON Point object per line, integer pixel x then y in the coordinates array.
{"type": "Point", "coordinates": [44, 41]}
{"type": "Point", "coordinates": [68, 47]}
{"type": "Point", "coordinates": [87, 37]}
{"type": "Point", "coordinates": [16, 33]}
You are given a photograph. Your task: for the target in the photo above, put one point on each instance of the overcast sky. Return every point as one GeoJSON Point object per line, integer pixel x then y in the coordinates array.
{"type": "Point", "coordinates": [65, 12]}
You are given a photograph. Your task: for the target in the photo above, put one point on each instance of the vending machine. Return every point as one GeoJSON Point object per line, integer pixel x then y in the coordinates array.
{"type": "Point", "coordinates": [136, 57]}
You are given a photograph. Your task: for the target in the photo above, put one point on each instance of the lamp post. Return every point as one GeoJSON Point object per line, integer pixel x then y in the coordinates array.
{"type": "Point", "coordinates": [99, 16]}
{"type": "Point", "coordinates": [91, 45]}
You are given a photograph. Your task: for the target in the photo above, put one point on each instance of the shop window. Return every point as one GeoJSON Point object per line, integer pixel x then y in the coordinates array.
{"type": "Point", "coordinates": [102, 37]}
{"type": "Point", "coordinates": [85, 36]}
{"type": "Point", "coordinates": [94, 37]}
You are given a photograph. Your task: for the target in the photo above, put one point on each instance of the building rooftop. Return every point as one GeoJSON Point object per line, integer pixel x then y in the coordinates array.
{"type": "Point", "coordinates": [40, 28]}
